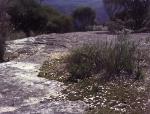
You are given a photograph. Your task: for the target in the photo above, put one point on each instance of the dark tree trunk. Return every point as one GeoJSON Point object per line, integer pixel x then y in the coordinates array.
{"type": "Point", "coordinates": [2, 49]}
{"type": "Point", "coordinates": [4, 24]}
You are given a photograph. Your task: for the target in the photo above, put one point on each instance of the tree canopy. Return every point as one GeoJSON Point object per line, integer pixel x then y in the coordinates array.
{"type": "Point", "coordinates": [27, 15]}
{"type": "Point", "coordinates": [132, 12]}
{"type": "Point", "coordinates": [30, 15]}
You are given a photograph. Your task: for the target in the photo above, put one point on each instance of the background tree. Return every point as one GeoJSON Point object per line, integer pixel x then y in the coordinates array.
{"type": "Point", "coordinates": [57, 22]}
{"type": "Point", "coordinates": [31, 16]}
{"type": "Point", "coordinates": [27, 15]}
{"type": "Point", "coordinates": [132, 12]}
{"type": "Point", "coordinates": [83, 17]}
{"type": "Point", "coordinates": [4, 24]}
{"type": "Point", "coordinates": [60, 24]}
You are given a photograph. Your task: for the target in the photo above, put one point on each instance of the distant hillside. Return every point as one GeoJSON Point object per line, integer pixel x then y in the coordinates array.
{"type": "Point", "coordinates": [67, 6]}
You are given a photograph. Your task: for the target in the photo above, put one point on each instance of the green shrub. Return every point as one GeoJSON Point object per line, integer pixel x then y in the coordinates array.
{"type": "Point", "coordinates": [82, 62]}
{"type": "Point", "coordinates": [60, 24]}
{"type": "Point", "coordinates": [21, 10]}
{"type": "Point", "coordinates": [115, 26]}
{"type": "Point", "coordinates": [43, 18]}
{"type": "Point", "coordinates": [120, 57]}
{"type": "Point", "coordinates": [114, 58]}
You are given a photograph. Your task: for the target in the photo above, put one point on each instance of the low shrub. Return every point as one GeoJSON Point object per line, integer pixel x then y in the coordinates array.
{"type": "Point", "coordinates": [115, 26]}
{"type": "Point", "coordinates": [110, 60]}
{"type": "Point", "coordinates": [114, 58]}
{"type": "Point", "coordinates": [82, 62]}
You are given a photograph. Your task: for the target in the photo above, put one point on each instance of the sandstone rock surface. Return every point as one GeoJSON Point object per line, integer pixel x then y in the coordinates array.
{"type": "Point", "coordinates": [22, 92]}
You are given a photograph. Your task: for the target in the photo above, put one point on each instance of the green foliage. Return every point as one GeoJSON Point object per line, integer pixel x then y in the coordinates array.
{"type": "Point", "coordinates": [27, 15]}
{"type": "Point", "coordinates": [30, 16]}
{"type": "Point", "coordinates": [120, 57]}
{"type": "Point", "coordinates": [82, 62]}
{"type": "Point", "coordinates": [114, 26]}
{"type": "Point", "coordinates": [133, 12]}
{"type": "Point", "coordinates": [114, 58]}
{"type": "Point", "coordinates": [83, 17]}
{"type": "Point", "coordinates": [60, 24]}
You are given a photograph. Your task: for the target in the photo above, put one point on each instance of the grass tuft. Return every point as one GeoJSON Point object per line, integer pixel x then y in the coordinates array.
{"type": "Point", "coordinates": [120, 63]}
{"type": "Point", "coordinates": [115, 58]}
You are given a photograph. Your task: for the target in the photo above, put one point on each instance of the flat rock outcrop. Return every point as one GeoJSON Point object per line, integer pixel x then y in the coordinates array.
{"type": "Point", "coordinates": [22, 92]}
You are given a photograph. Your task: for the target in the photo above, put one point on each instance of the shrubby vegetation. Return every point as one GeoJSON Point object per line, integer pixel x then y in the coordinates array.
{"type": "Point", "coordinates": [27, 16]}
{"type": "Point", "coordinates": [108, 76]}
{"type": "Point", "coordinates": [21, 18]}
{"type": "Point", "coordinates": [60, 24]}
{"type": "Point", "coordinates": [110, 60]}
{"type": "Point", "coordinates": [115, 26]}
{"type": "Point", "coordinates": [133, 13]}
{"type": "Point", "coordinates": [30, 16]}
{"type": "Point", "coordinates": [114, 58]}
